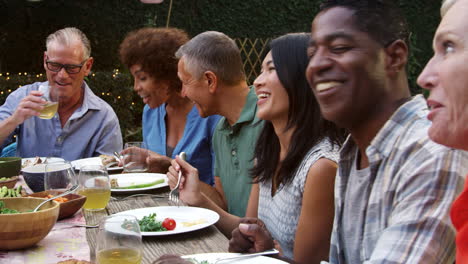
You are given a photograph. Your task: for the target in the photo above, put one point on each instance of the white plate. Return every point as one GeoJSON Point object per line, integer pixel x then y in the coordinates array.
{"type": "Point", "coordinates": [91, 161]}
{"type": "Point", "coordinates": [128, 179]}
{"type": "Point", "coordinates": [179, 214]}
{"type": "Point", "coordinates": [213, 257]}
{"type": "Point", "coordinates": [49, 159]}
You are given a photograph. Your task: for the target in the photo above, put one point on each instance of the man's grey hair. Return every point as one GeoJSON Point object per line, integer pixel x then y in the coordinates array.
{"type": "Point", "coordinates": [216, 52]}
{"type": "Point", "coordinates": [68, 36]}
{"type": "Point", "coordinates": [446, 5]}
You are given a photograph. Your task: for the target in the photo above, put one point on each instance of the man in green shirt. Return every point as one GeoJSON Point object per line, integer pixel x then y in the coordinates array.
{"type": "Point", "coordinates": [212, 75]}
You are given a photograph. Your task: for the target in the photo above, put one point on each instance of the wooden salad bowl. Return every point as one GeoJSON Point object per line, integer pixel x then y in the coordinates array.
{"type": "Point", "coordinates": [68, 208]}
{"type": "Point", "coordinates": [10, 183]}
{"type": "Point", "coordinates": [26, 229]}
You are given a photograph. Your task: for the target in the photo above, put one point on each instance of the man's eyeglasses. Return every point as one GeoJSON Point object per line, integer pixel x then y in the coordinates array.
{"type": "Point", "coordinates": [69, 68]}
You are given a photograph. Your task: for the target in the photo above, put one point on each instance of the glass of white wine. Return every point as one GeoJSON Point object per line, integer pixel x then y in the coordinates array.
{"type": "Point", "coordinates": [51, 106]}
{"type": "Point", "coordinates": [95, 185]}
{"type": "Point", "coordinates": [119, 240]}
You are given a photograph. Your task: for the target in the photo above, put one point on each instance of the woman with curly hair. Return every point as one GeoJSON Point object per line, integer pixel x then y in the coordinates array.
{"type": "Point", "coordinates": [171, 123]}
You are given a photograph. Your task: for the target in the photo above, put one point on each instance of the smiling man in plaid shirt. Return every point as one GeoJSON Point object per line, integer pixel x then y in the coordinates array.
{"type": "Point", "coordinates": [394, 186]}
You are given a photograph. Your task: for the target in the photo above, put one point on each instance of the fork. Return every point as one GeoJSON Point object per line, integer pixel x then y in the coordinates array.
{"type": "Point", "coordinates": [174, 194]}
{"type": "Point", "coordinates": [82, 225]}
{"type": "Point", "coordinates": [117, 156]}
{"type": "Point", "coordinates": [248, 255]}
{"type": "Point", "coordinates": [138, 195]}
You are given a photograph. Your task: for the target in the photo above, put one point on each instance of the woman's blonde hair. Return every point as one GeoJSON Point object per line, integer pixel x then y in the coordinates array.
{"type": "Point", "coordinates": [446, 5]}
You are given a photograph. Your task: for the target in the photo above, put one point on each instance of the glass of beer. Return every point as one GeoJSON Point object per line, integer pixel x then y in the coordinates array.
{"type": "Point", "coordinates": [95, 185]}
{"type": "Point", "coordinates": [119, 240]}
{"type": "Point", "coordinates": [51, 106]}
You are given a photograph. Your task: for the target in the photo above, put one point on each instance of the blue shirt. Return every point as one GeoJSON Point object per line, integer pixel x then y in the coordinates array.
{"type": "Point", "coordinates": [93, 129]}
{"type": "Point", "coordinates": [196, 141]}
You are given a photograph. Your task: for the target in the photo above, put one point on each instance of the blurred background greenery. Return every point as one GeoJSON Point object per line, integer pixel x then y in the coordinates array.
{"type": "Point", "coordinates": [24, 25]}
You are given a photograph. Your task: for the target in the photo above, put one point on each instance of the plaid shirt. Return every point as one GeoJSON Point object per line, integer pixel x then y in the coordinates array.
{"type": "Point", "coordinates": [413, 183]}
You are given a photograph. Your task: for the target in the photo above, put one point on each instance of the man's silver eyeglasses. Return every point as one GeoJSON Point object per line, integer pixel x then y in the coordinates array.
{"type": "Point", "coordinates": [69, 68]}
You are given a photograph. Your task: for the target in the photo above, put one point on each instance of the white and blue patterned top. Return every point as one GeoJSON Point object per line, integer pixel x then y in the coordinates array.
{"type": "Point", "coordinates": [281, 212]}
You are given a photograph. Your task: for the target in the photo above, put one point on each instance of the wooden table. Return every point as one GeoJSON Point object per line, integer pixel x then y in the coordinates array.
{"type": "Point", "coordinates": [205, 240]}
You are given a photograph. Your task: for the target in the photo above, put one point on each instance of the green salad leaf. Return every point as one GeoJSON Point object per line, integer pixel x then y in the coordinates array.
{"type": "Point", "coordinates": [4, 210]}
{"type": "Point", "coordinates": [150, 224]}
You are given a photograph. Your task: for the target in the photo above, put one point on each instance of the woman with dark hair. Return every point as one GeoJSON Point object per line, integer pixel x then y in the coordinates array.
{"type": "Point", "coordinates": [296, 156]}
{"type": "Point", "coordinates": [171, 123]}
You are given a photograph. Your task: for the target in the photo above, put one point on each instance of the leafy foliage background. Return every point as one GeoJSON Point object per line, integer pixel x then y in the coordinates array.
{"type": "Point", "coordinates": [25, 25]}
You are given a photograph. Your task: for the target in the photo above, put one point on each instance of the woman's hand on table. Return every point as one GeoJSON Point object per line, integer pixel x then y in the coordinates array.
{"type": "Point", "coordinates": [137, 153]}
{"type": "Point", "coordinates": [251, 236]}
{"type": "Point", "coordinates": [157, 163]}
{"type": "Point", "coordinates": [189, 187]}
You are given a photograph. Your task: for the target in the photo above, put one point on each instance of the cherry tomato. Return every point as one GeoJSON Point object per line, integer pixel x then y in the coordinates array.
{"type": "Point", "coordinates": [169, 224]}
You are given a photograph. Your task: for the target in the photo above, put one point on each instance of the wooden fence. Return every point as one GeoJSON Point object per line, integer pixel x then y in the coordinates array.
{"type": "Point", "coordinates": [252, 52]}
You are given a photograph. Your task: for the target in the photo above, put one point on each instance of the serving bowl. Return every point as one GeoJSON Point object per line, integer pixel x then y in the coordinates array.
{"type": "Point", "coordinates": [10, 182]}
{"type": "Point", "coordinates": [26, 229]}
{"type": "Point", "coordinates": [68, 208]}
{"type": "Point", "coordinates": [34, 176]}
{"type": "Point", "coordinates": [10, 166]}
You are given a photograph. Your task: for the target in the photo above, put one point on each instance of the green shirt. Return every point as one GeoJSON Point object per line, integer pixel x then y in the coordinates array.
{"type": "Point", "coordinates": [234, 149]}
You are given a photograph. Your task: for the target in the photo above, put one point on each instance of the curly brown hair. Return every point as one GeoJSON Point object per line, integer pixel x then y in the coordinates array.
{"type": "Point", "coordinates": [154, 49]}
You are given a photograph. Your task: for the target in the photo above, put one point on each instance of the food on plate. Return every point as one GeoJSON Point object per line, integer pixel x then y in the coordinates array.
{"type": "Point", "coordinates": [4, 210]}
{"type": "Point", "coordinates": [115, 184]}
{"type": "Point", "coordinates": [169, 223]}
{"type": "Point", "coordinates": [29, 162]}
{"type": "Point", "coordinates": [13, 192]}
{"type": "Point", "coordinates": [107, 159]}
{"type": "Point", "coordinates": [192, 223]}
{"type": "Point", "coordinates": [119, 255]}
{"type": "Point", "coordinates": [5, 179]}
{"type": "Point", "coordinates": [150, 224]}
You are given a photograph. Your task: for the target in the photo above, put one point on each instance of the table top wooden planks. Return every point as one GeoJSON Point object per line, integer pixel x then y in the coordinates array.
{"type": "Point", "coordinates": [206, 240]}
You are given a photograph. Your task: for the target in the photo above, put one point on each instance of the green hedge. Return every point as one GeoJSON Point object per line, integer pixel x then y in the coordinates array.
{"type": "Point", "coordinates": [24, 26]}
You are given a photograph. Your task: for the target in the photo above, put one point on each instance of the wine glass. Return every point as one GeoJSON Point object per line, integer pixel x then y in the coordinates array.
{"type": "Point", "coordinates": [134, 157]}
{"type": "Point", "coordinates": [51, 106]}
{"type": "Point", "coordinates": [95, 185]}
{"type": "Point", "coordinates": [59, 176]}
{"type": "Point", "coordinates": [119, 240]}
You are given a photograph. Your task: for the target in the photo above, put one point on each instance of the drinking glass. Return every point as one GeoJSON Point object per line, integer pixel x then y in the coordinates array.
{"type": "Point", "coordinates": [119, 240]}
{"type": "Point", "coordinates": [59, 176]}
{"type": "Point", "coordinates": [51, 106]}
{"type": "Point", "coordinates": [95, 185]}
{"type": "Point", "coordinates": [134, 157]}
